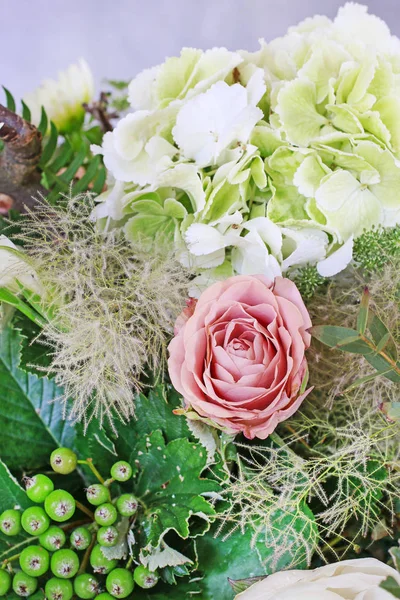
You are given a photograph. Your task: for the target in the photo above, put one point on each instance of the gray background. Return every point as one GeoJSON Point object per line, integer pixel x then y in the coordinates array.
{"type": "Point", "coordinates": [119, 38]}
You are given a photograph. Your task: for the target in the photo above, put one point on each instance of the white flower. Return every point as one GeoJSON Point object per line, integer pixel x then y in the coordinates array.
{"type": "Point", "coordinates": [62, 98]}
{"type": "Point", "coordinates": [13, 269]}
{"type": "Point", "coordinates": [136, 151]}
{"type": "Point", "coordinates": [181, 77]}
{"type": "Point", "coordinates": [213, 121]}
{"type": "Point", "coordinates": [357, 579]}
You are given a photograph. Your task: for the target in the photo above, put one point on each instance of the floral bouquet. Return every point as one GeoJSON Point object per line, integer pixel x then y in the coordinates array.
{"type": "Point", "coordinates": [200, 325]}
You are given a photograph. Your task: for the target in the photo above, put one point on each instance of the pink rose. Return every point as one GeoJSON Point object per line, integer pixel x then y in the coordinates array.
{"type": "Point", "coordinates": [238, 354]}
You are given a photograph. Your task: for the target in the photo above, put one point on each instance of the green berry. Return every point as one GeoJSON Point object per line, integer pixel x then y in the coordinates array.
{"type": "Point", "coordinates": [98, 494]}
{"type": "Point", "coordinates": [119, 583]}
{"type": "Point", "coordinates": [53, 539]}
{"type": "Point", "coordinates": [10, 522]}
{"type": "Point", "coordinates": [99, 563]}
{"type": "Point", "coordinates": [5, 582]}
{"type": "Point", "coordinates": [144, 578]}
{"type": "Point", "coordinates": [34, 561]}
{"type": "Point", "coordinates": [34, 520]}
{"type": "Point", "coordinates": [58, 589]}
{"type": "Point", "coordinates": [105, 514]}
{"type": "Point", "coordinates": [104, 596]}
{"type": "Point", "coordinates": [86, 586]}
{"type": "Point", "coordinates": [80, 538]}
{"type": "Point", "coordinates": [121, 471]}
{"type": "Point", "coordinates": [64, 564]}
{"type": "Point", "coordinates": [127, 505]}
{"type": "Point", "coordinates": [38, 487]}
{"type": "Point", "coordinates": [24, 585]}
{"type": "Point", "coordinates": [107, 536]}
{"type": "Point", "coordinates": [60, 505]}
{"type": "Point", "coordinates": [63, 461]}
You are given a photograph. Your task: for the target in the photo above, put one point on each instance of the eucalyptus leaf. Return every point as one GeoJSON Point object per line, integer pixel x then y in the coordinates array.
{"type": "Point", "coordinates": [391, 586]}
{"type": "Point", "coordinates": [342, 338]}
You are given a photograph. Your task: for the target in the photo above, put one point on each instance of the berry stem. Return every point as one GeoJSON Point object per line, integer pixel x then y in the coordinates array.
{"type": "Point", "coordinates": [129, 563]}
{"type": "Point", "coordinates": [108, 482]}
{"type": "Point", "coordinates": [23, 543]}
{"type": "Point", "coordinates": [84, 509]}
{"type": "Point", "coordinates": [8, 560]}
{"type": "Point", "coordinates": [75, 524]}
{"type": "Point", "coordinates": [85, 560]}
{"type": "Point", "coordinates": [89, 463]}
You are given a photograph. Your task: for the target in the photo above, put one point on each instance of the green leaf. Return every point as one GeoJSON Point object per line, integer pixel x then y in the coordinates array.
{"type": "Point", "coordinates": [50, 147]}
{"type": "Point", "coordinates": [383, 367]}
{"type": "Point", "coordinates": [26, 111]}
{"type": "Point", "coordinates": [172, 489]}
{"type": "Point", "coordinates": [11, 494]}
{"type": "Point", "coordinates": [31, 423]}
{"type": "Point", "coordinates": [362, 317]}
{"type": "Point", "coordinates": [342, 338]}
{"type": "Point", "coordinates": [17, 302]}
{"type": "Point", "coordinates": [91, 171]}
{"type": "Point", "coordinates": [154, 411]}
{"type": "Point", "coordinates": [391, 586]}
{"type": "Point", "coordinates": [392, 410]}
{"type": "Point", "coordinates": [42, 127]}
{"type": "Point", "coordinates": [240, 556]}
{"type": "Point", "coordinates": [395, 554]}
{"type": "Point", "coordinates": [99, 182]}
{"type": "Point", "coordinates": [361, 380]}
{"type": "Point", "coordinates": [240, 585]}
{"type": "Point", "coordinates": [379, 332]}
{"type": "Point", "coordinates": [9, 99]}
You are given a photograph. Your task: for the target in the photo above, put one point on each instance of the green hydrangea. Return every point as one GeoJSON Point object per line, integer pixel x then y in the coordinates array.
{"type": "Point", "coordinates": [280, 158]}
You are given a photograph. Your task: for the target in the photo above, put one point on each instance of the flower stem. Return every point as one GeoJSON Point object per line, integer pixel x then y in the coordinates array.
{"type": "Point", "coordinates": [89, 463]}
{"type": "Point", "coordinates": [84, 509]}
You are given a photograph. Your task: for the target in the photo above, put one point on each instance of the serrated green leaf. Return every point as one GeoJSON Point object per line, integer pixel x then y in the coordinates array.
{"type": "Point", "coordinates": [342, 338]}
{"type": "Point", "coordinates": [9, 99]}
{"type": "Point", "coordinates": [362, 317]}
{"type": "Point", "coordinates": [391, 586]}
{"type": "Point", "coordinates": [171, 487]}
{"type": "Point", "coordinates": [154, 411]}
{"type": "Point", "coordinates": [42, 127]}
{"type": "Point", "coordinates": [28, 414]}
{"type": "Point", "coordinates": [26, 111]}
{"type": "Point", "coordinates": [50, 147]}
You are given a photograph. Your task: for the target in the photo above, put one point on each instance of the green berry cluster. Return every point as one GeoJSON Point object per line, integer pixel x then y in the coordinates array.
{"type": "Point", "coordinates": [82, 569]}
{"type": "Point", "coordinates": [375, 248]}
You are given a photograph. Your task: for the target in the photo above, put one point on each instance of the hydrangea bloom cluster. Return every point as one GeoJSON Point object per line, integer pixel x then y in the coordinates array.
{"type": "Point", "coordinates": [260, 163]}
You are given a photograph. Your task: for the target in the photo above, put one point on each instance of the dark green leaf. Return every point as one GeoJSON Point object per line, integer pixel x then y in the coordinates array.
{"type": "Point", "coordinates": [171, 487]}
{"type": "Point", "coordinates": [9, 99]}
{"type": "Point", "coordinates": [11, 495]}
{"type": "Point", "coordinates": [362, 317]}
{"type": "Point", "coordinates": [63, 156]}
{"type": "Point", "coordinates": [26, 111]}
{"type": "Point", "coordinates": [72, 168]}
{"type": "Point", "coordinates": [32, 423]}
{"type": "Point", "coordinates": [342, 338]}
{"type": "Point", "coordinates": [391, 586]}
{"type": "Point", "coordinates": [50, 147]}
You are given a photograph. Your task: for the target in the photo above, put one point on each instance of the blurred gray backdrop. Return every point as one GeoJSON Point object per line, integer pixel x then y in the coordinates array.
{"type": "Point", "coordinates": [119, 38]}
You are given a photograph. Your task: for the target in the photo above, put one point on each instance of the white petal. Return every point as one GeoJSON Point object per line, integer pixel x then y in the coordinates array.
{"type": "Point", "coordinates": [337, 261]}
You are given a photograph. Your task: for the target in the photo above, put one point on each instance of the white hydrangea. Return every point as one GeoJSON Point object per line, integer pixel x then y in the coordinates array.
{"type": "Point", "coordinates": [293, 150]}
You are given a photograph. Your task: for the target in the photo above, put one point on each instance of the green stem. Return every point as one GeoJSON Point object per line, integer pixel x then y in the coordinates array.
{"type": "Point", "coordinates": [84, 509]}
{"type": "Point", "coordinates": [8, 560]}
{"type": "Point", "coordinates": [89, 463]}
{"type": "Point", "coordinates": [87, 554]}
{"type": "Point", "coordinates": [381, 353]}
{"type": "Point", "coordinates": [23, 543]}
